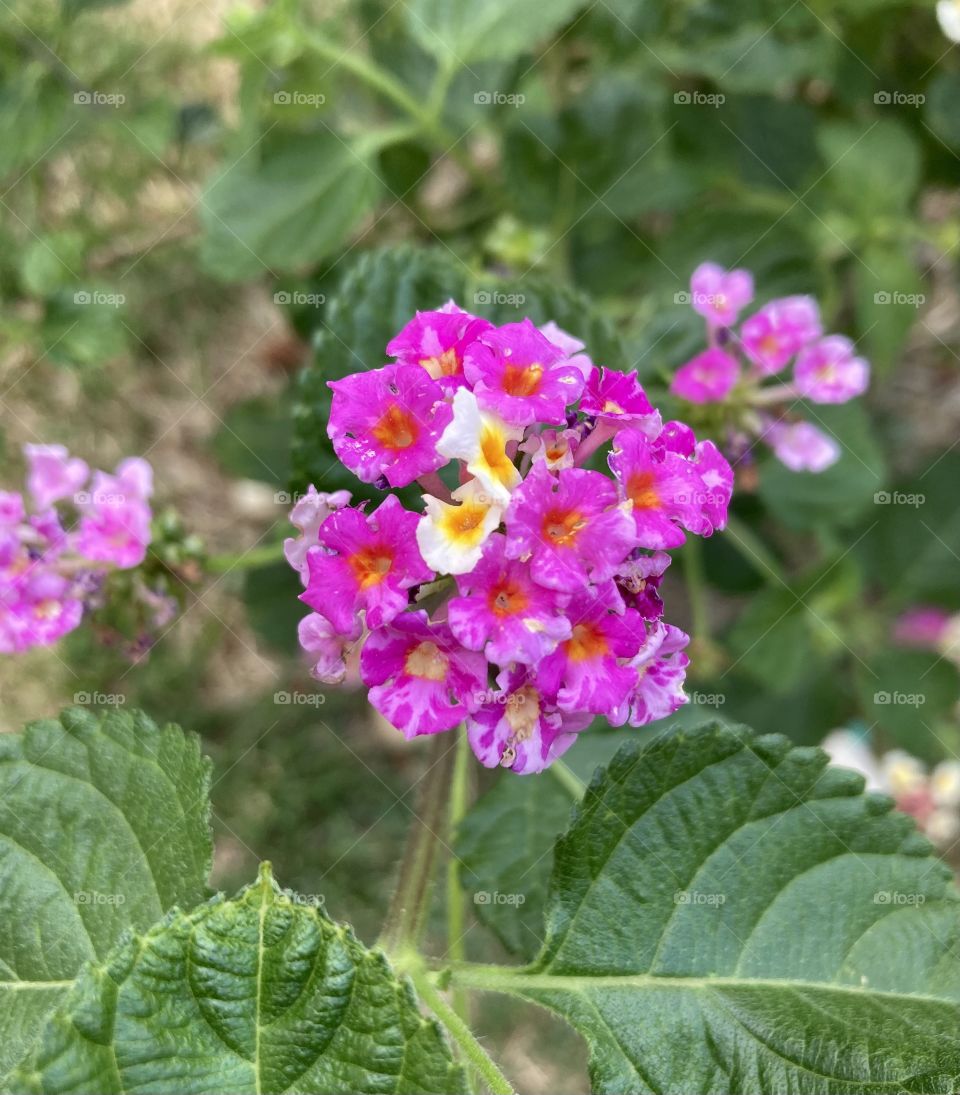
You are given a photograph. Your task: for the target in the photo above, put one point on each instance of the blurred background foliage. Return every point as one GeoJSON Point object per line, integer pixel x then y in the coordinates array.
{"type": "Point", "coordinates": [209, 209]}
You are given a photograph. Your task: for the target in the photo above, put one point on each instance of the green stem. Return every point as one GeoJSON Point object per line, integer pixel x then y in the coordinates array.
{"type": "Point", "coordinates": [568, 779]}
{"type": "Point", "coordinates": [456, 899]}
{"type": "Point", "coordinates": [692, 560]}
{"type": "Point", "coordinates": [259, 556]}
{"type": "Point", "coordinates": [406, 916]}
{"type": "Point", "coordinates": [754, 550]}
{"type": "Point", "coordinates": [471, 1049]}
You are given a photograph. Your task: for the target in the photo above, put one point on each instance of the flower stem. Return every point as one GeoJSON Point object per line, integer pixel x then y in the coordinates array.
{"type": "Point", "coordinates": [456, 899]}
{"type": "Point", "coordinates": [692, 560]}
{"type": "Point", "coordinates": [473, 1052]}
{"type": "Point", "coordinates": [406, 915]}
{"type": "Point", "coordinates": [245, 560]}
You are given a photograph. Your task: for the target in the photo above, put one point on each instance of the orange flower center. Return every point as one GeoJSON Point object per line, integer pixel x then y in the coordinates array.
{"type": "Point", "coordinates": [507, 598]}
{"type": "Point", "coordinates": [370, 566]}
{"type": "Point", "coordinates": [561, 527]}
{"type": "Point", "coordinates": [522, 380]}
{"type": "Point", "coordinates": [447, 364]}
{"type": "Point", "coordinates": [586, 642]}
{"type": "Point", "coordinates": [641, 490]}
{"type": "Point", "coordinates": [427, 662]}
{"type": "Point", "coordinates": [396, 428]}
{"type": "Point", "coordinates": [495, 457]}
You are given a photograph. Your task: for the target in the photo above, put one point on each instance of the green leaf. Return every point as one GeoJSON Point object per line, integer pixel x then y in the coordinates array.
{"type": "Point", "coordinates": [103, 827]}
{"type": "Point", "coordinates": [941, 107]}
{"type": "Point", "coordinates": [727, 914]}
{"type": "Point", "coordinates": [459, 31]}
{"type": "Point", "coordinates": [289, 211]}
{"type": "Point", "coordinates": [889, 295]}
{"type": "Point", "coordinates": [872, 170]}
{"type": "Point", "coordinates": [275, 996]}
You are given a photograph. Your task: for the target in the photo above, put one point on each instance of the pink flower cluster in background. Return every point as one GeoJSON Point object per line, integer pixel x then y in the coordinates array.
{"type": "Point", "coordinates": [58, 542]}
{"type": "Point", "coordinates": [523, 598]}
{"type": "Point", "coordinates": [734, 368]}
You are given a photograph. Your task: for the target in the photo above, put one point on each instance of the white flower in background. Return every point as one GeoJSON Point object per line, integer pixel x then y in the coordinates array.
{"type": "Point", "coordinates": [948, 16]}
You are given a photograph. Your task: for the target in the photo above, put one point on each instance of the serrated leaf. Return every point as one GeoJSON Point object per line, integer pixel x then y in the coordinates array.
{"type": "Point", "coordinates": [103, 827]}
{"type": "Point", "coordinates": [727, 914]}
{"type": "Point", "coordinates": [461, 31]}
{"type": "Point", "coordinates": [275, 996]}
{"type": "Point", "coordinates": [290, 211]}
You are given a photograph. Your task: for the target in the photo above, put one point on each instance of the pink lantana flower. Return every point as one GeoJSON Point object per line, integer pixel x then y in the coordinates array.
{"type": "Point", "coordinates": [720, 295]}
{"type": "Point", "coordinates": [707, 378]}
{"type": "Point", "coordinates": [502, 611]}
{"type": "Point", "coordinates": [587, 672]}
{"type": "Point", "coordinates": [661, 668]}
{"type": "Point", "coordinates": [115, 526]}
{"type": "Point", "coordinates": [365, 562]}
{"type": "Point", "coordinates": [53, 474]}
{"type": "Point", "coordinates": [522, 376]}
{"type": "Point", "coordinates": [664, 490]}
{"type": "Point", "coordinates": [717, 477]}
{"type": "Point", "coordinates": [519, 729]}
{"type": "Point", "coordinates": [779, 331]}
{"type": "Point", "coordinates": [420, 678]}
{"type": "Point", "coordinates": [308, 514]}
{"type": "Point", "coordinates": [801, 446]}
{"type": "Point", "coordinates": [436, 341]}
{"type": "Point", "coordinates": [555, 448]}
{"type": "Point", "coordinates": [327, 647]}
{"type": "Point", "coordinates": [619, 398]}
{"type": "Point", "coordinates": [386, 423]}
{"type": "Point", "coordinates": [571, 347]}
{"type": "Point", "coordinates": [570, 527]}
{"type": "Point", "coordinates": [830, 372]}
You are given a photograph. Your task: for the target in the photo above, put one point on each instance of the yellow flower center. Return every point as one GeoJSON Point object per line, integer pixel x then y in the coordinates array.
{"type": "Point", "coordinates": [427, 662]}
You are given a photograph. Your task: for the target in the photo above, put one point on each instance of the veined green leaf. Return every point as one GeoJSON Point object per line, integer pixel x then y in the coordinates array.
{"type": "Point", "coordinates": [259, 994]}
{"type": "Point", "coordinates": [727, 914]}
{"type": "Point", "coordinates": [103, 827]}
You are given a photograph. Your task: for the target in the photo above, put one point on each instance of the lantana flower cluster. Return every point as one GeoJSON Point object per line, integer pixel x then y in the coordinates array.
{"type": "Point", "coordinates": [523, 598]}
{"type": "Point", "coordinates": [930, 795]}
{"type": "Point", "coordinates": [787, 333]}
{"type": "Point", "coordinates": [60, 539]}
